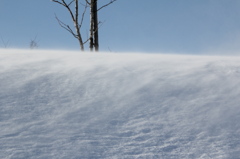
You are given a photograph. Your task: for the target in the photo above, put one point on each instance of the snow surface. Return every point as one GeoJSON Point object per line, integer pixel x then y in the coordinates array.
{"type": "Point", "coordinates": [71, 105]}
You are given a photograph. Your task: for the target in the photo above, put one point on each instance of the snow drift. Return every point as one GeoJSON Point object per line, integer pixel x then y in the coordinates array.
{"type": "Point", "coordinates": [56, 104]}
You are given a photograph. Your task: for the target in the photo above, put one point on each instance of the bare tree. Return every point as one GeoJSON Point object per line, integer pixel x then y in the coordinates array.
{"type": "Point", "coordinates": [94, 24]}
{"type": "Point", "coordinates": [75, 19]}
{"type": "Point", "coordinates": [94, 40]}
{"type": "Point", "coordinates": [33, 43]}
{"type": "Point", "coordinates": [5, 43]}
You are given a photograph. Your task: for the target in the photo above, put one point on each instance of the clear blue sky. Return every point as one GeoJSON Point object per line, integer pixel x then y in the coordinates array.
{"type": "Point", "coordinates": [179, 26]}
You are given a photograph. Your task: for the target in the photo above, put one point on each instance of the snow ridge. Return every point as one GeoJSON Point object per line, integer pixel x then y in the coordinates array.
{"type": "Point", "coordinates": [61, 104]}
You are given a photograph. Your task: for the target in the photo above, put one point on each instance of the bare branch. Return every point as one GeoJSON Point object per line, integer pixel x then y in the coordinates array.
{"type": "Point", "coordinates": [63, 3]}
{"type": "Point", "coordinates": [94, 32]}
{"type": "Point", "coordinates": [66, 27]}
{"type": "Point", "coordinates": [106, 5]}
{"type": "Point", "coordinates": [86, 41]}
{"type": "Point", "coordinates": [84, 4]}
{"type": "Point", "coordinates": [58, 2]}
{"type": "Point", "coordinates": [74, 16]}
{"type": "Point", "coordinates": [70, 11]}
{"type": "Point", "coordinates": [87, 2]}
{"type": "Point", "coordinates": [71, 2]}
{"type": "Point", "coordinates": [83, 14]}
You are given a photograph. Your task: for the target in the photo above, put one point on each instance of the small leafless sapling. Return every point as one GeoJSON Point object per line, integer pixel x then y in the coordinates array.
{"type": "Point", "coordinates": [33, 43]}
{"type": "Point", "coordinates": [5, 43]}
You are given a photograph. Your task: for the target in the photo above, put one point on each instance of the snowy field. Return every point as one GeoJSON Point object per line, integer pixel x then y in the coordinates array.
{"type": "Point", "coordinates": [71, 105]}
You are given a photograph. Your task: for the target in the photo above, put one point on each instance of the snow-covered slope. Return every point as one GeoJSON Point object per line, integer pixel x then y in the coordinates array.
{"type": "Point", "coordinates": [70, 105]}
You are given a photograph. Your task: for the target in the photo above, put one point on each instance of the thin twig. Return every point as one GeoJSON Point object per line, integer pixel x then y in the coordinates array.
{"type": "Point", "coordinates": [71, 2]}
{"type": "Point", "coordinates": [58, 2]}
{"type": "Point", "coordinates": [87, 2]}
{"type": "Point", "coordinates": [83, 14]}
{"type": "Point", "coordinates": [106, 5]}
{"type": "Point", "coordinates": [101, 23]}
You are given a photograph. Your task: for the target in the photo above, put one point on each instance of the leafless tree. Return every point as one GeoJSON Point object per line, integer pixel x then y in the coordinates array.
{"type": "Point", "coordinates": [5, 43]}
{"type": "Point", "coordinates": [78, 22]}
{"type": "Point", "coordinates": [74, 15]}
{"type": "Point", "coordinates": [33, 43]}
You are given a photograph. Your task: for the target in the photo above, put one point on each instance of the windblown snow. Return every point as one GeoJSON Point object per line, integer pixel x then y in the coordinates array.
{"type": "Point", "coordinates": [71, 105]}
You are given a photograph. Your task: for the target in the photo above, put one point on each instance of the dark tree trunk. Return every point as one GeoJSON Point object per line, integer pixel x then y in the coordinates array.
{"type": "Point", "coordinates": [91, 41]}
{"type": "Point", "coordinates": [94, 42]}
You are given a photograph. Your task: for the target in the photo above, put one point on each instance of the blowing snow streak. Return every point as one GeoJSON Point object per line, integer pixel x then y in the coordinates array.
{"type": "Point", "coordinates": [58, 105]}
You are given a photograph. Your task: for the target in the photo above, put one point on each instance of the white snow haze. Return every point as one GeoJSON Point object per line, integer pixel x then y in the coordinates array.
{"type": "Point", "coordinates": [73, 105]}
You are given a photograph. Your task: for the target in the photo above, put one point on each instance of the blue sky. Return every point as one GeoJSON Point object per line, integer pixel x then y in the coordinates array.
{"type": "Point", "coordinates": [178, 26]}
